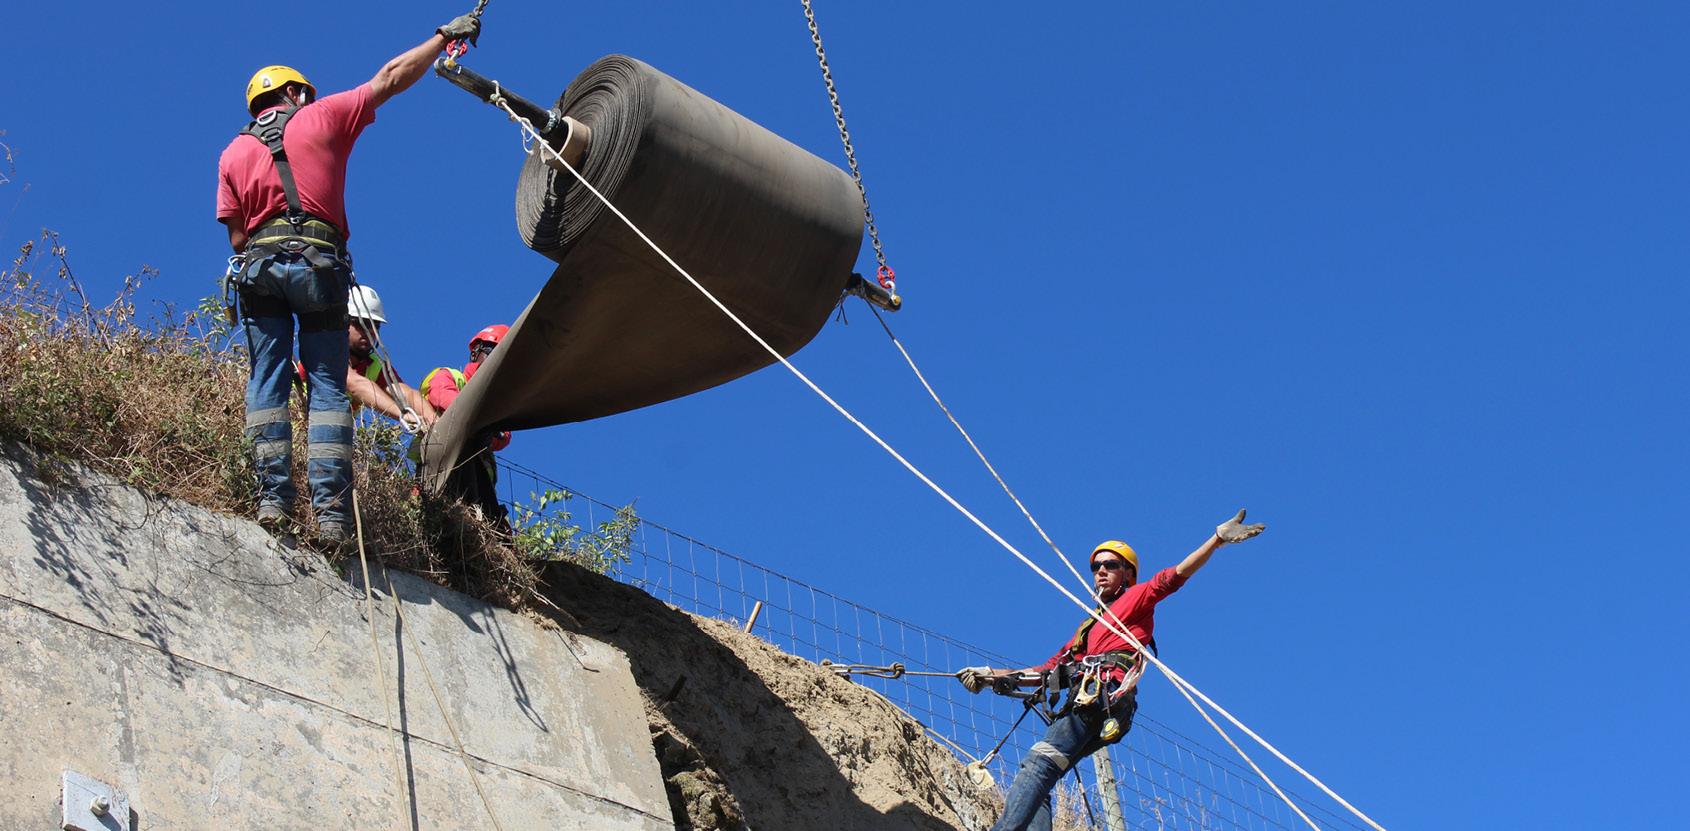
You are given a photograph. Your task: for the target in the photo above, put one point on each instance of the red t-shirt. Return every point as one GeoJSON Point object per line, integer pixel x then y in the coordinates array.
{"type": "Point", "coordinates": [318, 142]}
{"type": "Point", "coordinates": [1136, 607]}
{"type": "Point", "coordinates": [442, 388]}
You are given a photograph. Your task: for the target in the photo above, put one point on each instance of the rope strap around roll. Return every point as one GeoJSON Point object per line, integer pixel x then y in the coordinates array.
{"type": "Point", "coordinates": [528, 128]}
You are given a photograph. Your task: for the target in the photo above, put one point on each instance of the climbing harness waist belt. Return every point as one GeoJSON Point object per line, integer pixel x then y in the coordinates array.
{"type": "Point", "coordinates": [278, 232]}
{"type": "Point", "coordinates": [294, 231]}
{"type": "Point", "coordinates": [319, 242]}
{"type": "Point", "coordinates": [1089, 682]}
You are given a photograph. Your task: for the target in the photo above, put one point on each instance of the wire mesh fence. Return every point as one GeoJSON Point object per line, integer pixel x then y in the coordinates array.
{"type": "Point", "coordinates": [1165, 779]}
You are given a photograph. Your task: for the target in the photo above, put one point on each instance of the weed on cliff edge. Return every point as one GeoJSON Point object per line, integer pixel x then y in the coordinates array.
{"type": "Point", "coordinates": [158, 401]}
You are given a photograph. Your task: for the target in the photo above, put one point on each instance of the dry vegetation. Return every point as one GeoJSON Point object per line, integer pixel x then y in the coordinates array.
{"type": "Point", "coordinates": [158, 401]}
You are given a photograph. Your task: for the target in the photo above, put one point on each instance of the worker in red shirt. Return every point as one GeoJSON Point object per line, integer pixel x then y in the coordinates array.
{"type": "Point", "coordinates": [443, 384]}
{"type": "Point", "coordinates": [281, 191]}
{"type": "Point", "coordinates": [441, 388]}
{"type": "Point", "coordinates": [370, 381]}
{"type": "Point", "coordinates": [1103, 669]}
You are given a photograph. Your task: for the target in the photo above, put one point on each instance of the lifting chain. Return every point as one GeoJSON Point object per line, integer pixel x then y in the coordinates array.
{"type": "Point", "coordinates": [883, 274]}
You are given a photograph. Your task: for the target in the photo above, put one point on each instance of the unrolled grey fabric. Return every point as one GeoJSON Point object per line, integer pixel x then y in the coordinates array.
{"type": "Point", "coordinates": [769, 228]}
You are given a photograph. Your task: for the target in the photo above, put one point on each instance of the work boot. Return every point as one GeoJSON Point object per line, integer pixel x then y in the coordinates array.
{"type": "Point", "coordinates": [273, 518]}
{"type": "Point", "coordinates": [333, 534]}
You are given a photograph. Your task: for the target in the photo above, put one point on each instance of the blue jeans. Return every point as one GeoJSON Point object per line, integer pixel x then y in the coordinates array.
{"type": "Point", "coordinates": [274, 290]}
{"type": "Point", "coordinates": [1071, 737]}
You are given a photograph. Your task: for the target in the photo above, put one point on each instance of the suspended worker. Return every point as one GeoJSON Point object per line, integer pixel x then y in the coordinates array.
{"type": "Point", "coordinates": [281, 192]}
{"type": "Point", "coordinates": [1103, 668]}
{"type": "Point", "coordinates": [441, 388]}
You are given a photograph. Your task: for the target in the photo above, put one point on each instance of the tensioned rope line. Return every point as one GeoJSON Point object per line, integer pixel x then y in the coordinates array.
{"type": "Point", "coordinates": [380, 665]}
{"type": "Point", "coordinates": [531, 134]}
{"type": "Point", "coordinates": [977, 451]}
{"type": "Point", "coordinates": [422, 660]}
{"type": "Point", "coordinates": [440, 703]}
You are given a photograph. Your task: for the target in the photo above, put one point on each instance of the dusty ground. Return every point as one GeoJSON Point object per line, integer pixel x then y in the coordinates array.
{"type": "Point", "coordinates": [752, 738]}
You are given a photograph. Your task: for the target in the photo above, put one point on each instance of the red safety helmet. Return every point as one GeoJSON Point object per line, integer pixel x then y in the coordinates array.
{"type": "Point", "coordinates": [492, 334]}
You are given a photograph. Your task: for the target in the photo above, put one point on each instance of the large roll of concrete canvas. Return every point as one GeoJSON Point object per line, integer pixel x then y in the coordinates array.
{"type": "Point", "coordinates": [769, 228]}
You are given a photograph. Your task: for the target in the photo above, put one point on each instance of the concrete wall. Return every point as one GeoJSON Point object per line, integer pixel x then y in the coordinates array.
{"type": "Point", "coordinates": [223, 681]}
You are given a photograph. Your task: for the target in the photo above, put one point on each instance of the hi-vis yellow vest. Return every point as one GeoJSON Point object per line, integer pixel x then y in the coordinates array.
{"type": "Point", "coordinates": [457, 378]}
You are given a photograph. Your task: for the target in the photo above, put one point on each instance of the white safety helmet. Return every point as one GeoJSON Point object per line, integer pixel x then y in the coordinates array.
{"type": "Point", "coordinates": [362, 303]}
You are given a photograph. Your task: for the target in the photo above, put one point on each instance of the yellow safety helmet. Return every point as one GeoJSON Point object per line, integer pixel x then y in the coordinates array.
{"type": "Point", "coordinates": [1119, 549]}
{"type": "Point", "coordinates": [272, 78]}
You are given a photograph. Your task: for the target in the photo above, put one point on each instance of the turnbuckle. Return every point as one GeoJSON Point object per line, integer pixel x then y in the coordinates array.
{"type": "Point", "coordinates": [894, 670]}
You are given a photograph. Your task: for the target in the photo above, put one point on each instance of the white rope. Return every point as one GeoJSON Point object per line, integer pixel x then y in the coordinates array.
{"type": "Point", "coordinates": [422, 660]}
{"type": "Point", "coordinates": [528, 127]}
{"type": "Point", "coordinates": [381, 666]}
{"type": "Point", "coordinates": [440, 704]}
{"type": "Point", "coordinates": [1240, 751]}
{"type": "Point", "coordinates": [978, 452]}
{"type": "Point", "coordinates": [1131, 679]}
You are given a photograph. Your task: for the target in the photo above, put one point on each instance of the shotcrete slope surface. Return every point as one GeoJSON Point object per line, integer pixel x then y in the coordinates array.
{"type": "Point", "coordinates": [183, 656]}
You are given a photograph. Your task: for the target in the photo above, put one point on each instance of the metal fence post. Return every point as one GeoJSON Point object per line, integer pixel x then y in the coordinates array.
{"type": "Point", "coordinates": [1113, 819]}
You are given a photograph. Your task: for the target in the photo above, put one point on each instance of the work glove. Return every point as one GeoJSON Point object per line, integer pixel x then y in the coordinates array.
{"type": "Point", "coordinates": [464, 27]}
{"type": "Point", "coordinates": [1234, 530]}
{"type": "Point", "coordinates": [974, 679]}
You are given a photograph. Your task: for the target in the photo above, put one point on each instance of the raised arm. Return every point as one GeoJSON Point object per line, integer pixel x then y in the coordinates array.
{"type": "Point", "coordinates": [403, 71]}
{"type": "Point", "coordinates": [1231, 531]}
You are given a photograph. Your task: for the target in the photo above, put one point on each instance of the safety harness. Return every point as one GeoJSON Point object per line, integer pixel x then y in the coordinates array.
{"type": "Point", "coordinates": [1086, 675]}
{"type": "Point", "coordinates": [294, 231]}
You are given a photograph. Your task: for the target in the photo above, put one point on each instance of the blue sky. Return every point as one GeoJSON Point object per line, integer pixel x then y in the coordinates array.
{"type": "Point", "coordinates": [1406, 282]}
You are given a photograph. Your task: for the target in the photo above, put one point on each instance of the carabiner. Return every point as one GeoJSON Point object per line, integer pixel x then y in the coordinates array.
{"type": "Point", "coordinates": [887, 278]}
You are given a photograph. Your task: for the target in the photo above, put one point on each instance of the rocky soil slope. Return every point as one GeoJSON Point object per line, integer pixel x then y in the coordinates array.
{"type": "Point", "coordinates": [750, 737]}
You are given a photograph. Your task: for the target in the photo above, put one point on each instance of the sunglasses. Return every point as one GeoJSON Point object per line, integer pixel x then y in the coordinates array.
{"type": "Point", "coordinates": [1111, 565]}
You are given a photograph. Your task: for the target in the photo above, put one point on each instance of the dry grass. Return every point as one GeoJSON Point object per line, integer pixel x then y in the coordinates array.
{"type": "Point", "coordinates": [159, 404]}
